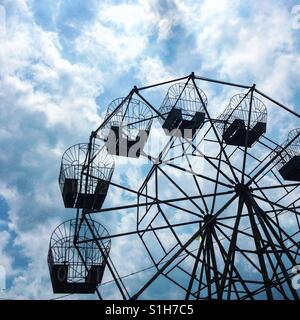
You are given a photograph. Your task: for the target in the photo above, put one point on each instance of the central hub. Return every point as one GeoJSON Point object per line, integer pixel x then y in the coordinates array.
{"type": "Point", "coordinates": [209, 217]}
{"type": "Point", "coordinates": [241, 188]}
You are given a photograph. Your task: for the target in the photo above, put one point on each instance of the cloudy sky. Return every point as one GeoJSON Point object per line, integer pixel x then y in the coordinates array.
{"type": "Point", "coordinates": [63, 61]}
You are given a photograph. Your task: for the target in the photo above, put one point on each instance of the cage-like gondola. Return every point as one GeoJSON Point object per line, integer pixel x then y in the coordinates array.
{"type": "Point", "coordinates": [128, 127]}
{"type": "Point", "coordinates": [233, 123]}
{"type": "Point", "coordinates": [288, 159]}
{"type": "Point", "coordinates": [77, 190]}
{"type": "Point", "coordinates": [80, 268]}
{"type": "Point", "coordinates": [183, 110]}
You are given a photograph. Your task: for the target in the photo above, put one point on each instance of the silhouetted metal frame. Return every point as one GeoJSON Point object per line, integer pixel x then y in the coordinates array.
{"type": "Point", "coordinates": [222, 281]}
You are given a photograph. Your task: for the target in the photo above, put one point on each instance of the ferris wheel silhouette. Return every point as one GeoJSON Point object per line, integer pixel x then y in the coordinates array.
{"type": "Point", "coordinates": [217, 213]}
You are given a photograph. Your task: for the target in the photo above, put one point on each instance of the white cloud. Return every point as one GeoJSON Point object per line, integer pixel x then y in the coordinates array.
{"type": "Point", "coordinates": [5, 259]}
{"type": "Point", "coordinates": [152, 70]}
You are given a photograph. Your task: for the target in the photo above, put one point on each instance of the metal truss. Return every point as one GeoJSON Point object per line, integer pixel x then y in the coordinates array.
{"type": "Point", "coordinates": [216, 219]}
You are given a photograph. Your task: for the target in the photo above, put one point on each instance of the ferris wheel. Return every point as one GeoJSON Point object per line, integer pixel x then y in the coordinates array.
{"type": "Point", "coordinates": [217, 212]}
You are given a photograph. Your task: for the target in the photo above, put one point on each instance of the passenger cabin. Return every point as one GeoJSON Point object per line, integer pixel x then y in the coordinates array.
{"type": "Point", "coordinates": [236, 133]}
{"type": "Point", "coordinates": [128, 127]}
{"type": "Point", "coordinates": [75, 199]}
{"type": "Point", "coordinates": [233, 123]}
{"type": "Point", "coordinates": [77, 269]}
{"type": "Point", "coordinates": [291, 169]}
{"type": "Point", "coordinates": [176, 125]}
{"type": "Point", "coordinates": [183, 110]}
{"type": "Point", "coordinates": [121, 144]}
{"type": "Point", "coordinates": [60, 283]}
{"type": "Point", "coordinates": [79, 190]}
{"type": "Point", "coordinates": [288, 157]}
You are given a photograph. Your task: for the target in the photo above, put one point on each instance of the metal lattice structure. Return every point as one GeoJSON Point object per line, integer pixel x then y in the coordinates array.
{"type": "Point", "coordinates": [217, 214]}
